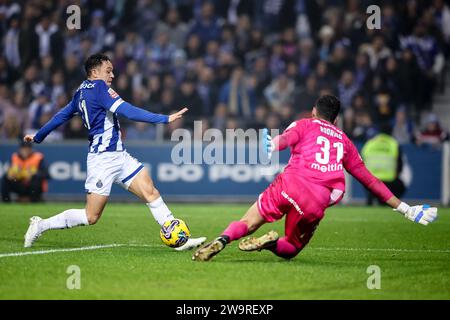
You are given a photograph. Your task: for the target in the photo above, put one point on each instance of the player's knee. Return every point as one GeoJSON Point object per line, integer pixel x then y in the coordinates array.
{"type": "Point", "coordinates": [92, 218]}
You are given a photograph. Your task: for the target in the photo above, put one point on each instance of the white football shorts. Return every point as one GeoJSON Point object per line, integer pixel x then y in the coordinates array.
{"type": "Point", "coordinates": [106, 168]}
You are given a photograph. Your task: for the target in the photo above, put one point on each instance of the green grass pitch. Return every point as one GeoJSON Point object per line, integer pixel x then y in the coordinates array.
{"type": "Point", "coordinates": [414, 260]}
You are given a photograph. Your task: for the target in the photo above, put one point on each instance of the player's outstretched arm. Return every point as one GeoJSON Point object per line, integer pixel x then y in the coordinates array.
{"type": "Point", "coordinates": [131, 112]}
{"type": "Point", "coordinates": [423, 214]}
{"type": "Point", "coordinates": [58, 119]}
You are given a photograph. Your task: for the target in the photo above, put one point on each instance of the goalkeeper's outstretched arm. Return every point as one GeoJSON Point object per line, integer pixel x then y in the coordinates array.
{"type": "Point", "coordinates": [423, 214]}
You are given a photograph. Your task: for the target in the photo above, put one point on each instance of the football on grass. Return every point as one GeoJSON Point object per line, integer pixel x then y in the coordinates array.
{"type": "Point", "coordinates": [175, 233]}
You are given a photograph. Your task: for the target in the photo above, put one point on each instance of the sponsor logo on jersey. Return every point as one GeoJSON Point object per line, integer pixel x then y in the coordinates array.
{"type": "Point", "coordinates": [112, 93]}
{"type": "Point", "coordinates": [85, 85]}
{"type": "Point", "coordinates": [327, 168]}
{"type": "Point", "coordinates": [292, 201]}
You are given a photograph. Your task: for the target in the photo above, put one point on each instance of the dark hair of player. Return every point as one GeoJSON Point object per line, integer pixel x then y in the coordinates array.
{"type": "Point", "coordinates": [328, 107]}
{"type": "Point", "coordinates": [94, 61]}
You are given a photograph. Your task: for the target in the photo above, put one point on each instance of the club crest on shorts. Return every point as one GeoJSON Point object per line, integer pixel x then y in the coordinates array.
{"type": "Point", "coordinates": [99, 183]}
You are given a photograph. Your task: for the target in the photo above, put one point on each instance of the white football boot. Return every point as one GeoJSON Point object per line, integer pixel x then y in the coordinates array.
{"type": "Point", "coordinates": [33, 232]}
{"type": "Point", "coordinates": [191, 244]}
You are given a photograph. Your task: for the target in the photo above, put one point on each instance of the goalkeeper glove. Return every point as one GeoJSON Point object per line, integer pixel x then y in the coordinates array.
{"type": "Point", "coordinates": [268, 145]}
{"type": "Point", "coordinates": [423, 214]}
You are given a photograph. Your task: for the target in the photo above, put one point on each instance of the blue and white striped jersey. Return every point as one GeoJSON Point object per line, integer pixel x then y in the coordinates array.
{"type": "Point", "coordinates": [97, 104]}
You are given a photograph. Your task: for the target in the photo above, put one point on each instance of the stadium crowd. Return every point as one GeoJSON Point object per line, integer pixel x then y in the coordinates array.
{"type": "Point", "coordinates": [234, 63]}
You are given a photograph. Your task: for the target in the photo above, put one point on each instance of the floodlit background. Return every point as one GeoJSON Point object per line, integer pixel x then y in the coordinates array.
{"type": "Point", "coordinates": [235, 64]}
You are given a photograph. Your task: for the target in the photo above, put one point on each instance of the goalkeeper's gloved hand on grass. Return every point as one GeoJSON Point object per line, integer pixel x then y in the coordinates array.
{"type": "Point", "coordinates": [267, 143]}
{"type": "Point", "coordinates": [423, 214]}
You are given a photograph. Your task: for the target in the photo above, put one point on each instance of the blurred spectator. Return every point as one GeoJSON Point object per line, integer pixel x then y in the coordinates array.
{"type": "Point", "coordinates": [432, 134]}
{"type": "Point", "coordinates": [347, 88]}
{"type": "Point", "coordinates": [27, 175]}
{"type": "Point", "coordinates": [207, 90]}
{"type": "Point", "coordinates": [286, 114]}
{"type": "Point", "coordinates": [276, 61]}
{"type": "Point", "coordinates": [206, 25]}
{"type": "Point", "coordinates": [441, 13]}
{"type": "Point", "coordinates": [408, 69]}
{"type": "Point", "coordinates": [30, 84]}
{"type": "Point", "coordinates": [74, 75]}
{"type": "Point", "coordinates": [307, 59]}
{"type": "Point", "coordinates": [72, 43]}
{"type": "Point", "coordinates": [384, 107]}
{"type": "Point", "coordinates": [429, 58]}
{"type": "Point", "coordinates": [188, 97]}
{"type": "Point", "coordinates": [376, 51]}
{"type": "Point", "coordinates": [273, 121]}
{"type": "Point", "coordinates": [97, 30]}
{"type": "Point", "coordinates": [49, 37]}
{"type": "Point", "coordinates": [28, 40]}
{"type": "Point", "coordinates": [363, 72]}
{"type": "Point", "coordinates": [324, 78]}
{"type": "Point", "coordinates": [10, 117]}
{"type": "Point", "coordinates": [7, 74]}
{"type": "Point", "coordinates": [289, 43]}
{"type": "Point", "coordinates": [167, 102]}
{"type": "Point", "coordinates": [57, 85]}
{"type": "Point", "coordinates": [339, 60]}
{"type": "Point", "coordinates": [403, 128]}
{"type": "Point", "coordinates": [38, 107]}
{"type": "Point", "coordinates": [146, 14]}
{"type": "Point", "coordinates": [306, 98]}
{"type": "Point", "coordinates": [383, 158]}
{"type": "Point", "coordinates": [162, 52]}
{"type": "Point", "coordinates": [220, 116]}
{"type": "Point", "coordinates": [120, 59]}
{"type": "Point", "coordinates": [153, 88]}
{"type": "Point", "coordinates": [259, 120]}
{"type": "Point", "coordinates": [237, 96]}
{"type": "Point", "coordinates": [326, 35]}
{"type": "Point", "coordinates": [193, 47]}
{"type": "Point", "coordinates": [279, 92]}
{"type": "Point", "coordinates": [175, 29]}
{"type": "Point", "coordinates": [358, 124]}
{"type": "Point", "coordinates": [275, 15]}
{"type": "Point", "coordinates": [11, 45]}
{"type": "Point", "coordinates": [134, 46]}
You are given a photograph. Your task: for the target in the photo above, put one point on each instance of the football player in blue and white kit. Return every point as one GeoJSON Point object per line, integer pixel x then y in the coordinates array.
{"type": "Point", "coordinates": [107, 162]}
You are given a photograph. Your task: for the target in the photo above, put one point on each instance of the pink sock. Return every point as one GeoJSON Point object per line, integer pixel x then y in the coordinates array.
{"type": "Point", "coordinates": [236, 230]}
{"type": "Point", "coordinates": [285, 249]}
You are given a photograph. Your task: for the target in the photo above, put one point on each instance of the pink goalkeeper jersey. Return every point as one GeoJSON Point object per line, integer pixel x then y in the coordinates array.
{"type": "Point", "coordinates": [320, 152]}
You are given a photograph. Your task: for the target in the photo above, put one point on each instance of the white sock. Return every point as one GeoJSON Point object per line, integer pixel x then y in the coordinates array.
{"type": "Point", "coordinates": [66, 219]}
{"type": "Point", "coordinates": [160, 211]}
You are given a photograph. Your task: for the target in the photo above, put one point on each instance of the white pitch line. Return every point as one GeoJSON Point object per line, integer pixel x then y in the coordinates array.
{"type": "Point", "coordinates": [383, 249]}
{"type": "Point", "coordinates": [26, 253]}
